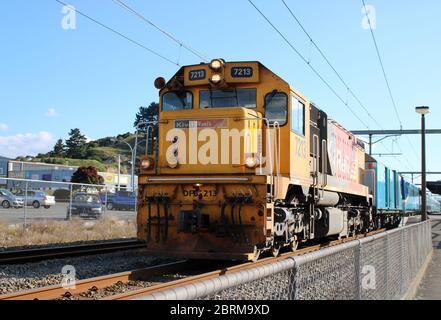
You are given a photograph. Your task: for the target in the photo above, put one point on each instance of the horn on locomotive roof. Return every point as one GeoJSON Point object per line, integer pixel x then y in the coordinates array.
{"type": "Point", "coordinates": [160, 83]}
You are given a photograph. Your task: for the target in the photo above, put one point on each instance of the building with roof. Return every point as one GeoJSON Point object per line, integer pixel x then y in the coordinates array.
{"type": "Point", "coordinates": [56, 173]}
{"type": "Point", "coordinates": [3, 169]}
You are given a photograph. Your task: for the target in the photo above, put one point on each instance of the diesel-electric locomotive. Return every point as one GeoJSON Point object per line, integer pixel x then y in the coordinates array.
{"type": "Point", "coordinates": [246, 164]}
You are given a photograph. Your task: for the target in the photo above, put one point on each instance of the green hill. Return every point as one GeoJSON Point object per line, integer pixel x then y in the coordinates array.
{"type": "Point", "coordinates": [102, 154]}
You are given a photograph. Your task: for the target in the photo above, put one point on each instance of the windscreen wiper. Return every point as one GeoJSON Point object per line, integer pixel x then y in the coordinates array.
{"type": "Point", "coordinates": [181, 99]}
{"type": "Point", "coordinates": [211, 98]}
{"type": "Point", "coordinates": [271, 97]}
{"type": "Point", "coordinates": [237, 98]}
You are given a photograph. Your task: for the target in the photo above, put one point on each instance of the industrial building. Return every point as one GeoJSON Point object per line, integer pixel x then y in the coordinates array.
{"type": "Point", "coordinates": [51, 173]}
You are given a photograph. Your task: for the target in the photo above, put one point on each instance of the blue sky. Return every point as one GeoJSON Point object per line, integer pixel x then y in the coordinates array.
{"type": "Point", "coordinates": [53, 79]}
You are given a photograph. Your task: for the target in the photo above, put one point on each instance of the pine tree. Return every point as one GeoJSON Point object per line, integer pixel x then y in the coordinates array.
{"type": "Point", "coordinates": [59, 149]}
{"type": "Point", "coordinates": [148, 114]}
{"type": "Point", "coordinates": [76, 145]}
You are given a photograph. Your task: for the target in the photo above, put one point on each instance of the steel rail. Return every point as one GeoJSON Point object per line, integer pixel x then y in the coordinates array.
{"type": "Point", "coordinates": [59, 292]}
{"type": "Point", "coordinates": [137, 294]}
{"type": "Point", "coordinates": [47, 253]}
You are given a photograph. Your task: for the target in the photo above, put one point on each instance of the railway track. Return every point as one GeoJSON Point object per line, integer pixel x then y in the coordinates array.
{"type": "Point", "coordinates": [96, 284]}
{"type": "Point", "coordinates": [131, 295]}
{"type": "Point", "coordinates": [33, 255]}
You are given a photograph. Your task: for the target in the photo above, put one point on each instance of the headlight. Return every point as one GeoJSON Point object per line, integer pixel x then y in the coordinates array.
{"type": "Point", "coordinates": [216, 78]}
{"type": "Point", "coordinates": [216, 64]}
{"type": "Point", "coordinates": [147, 164]}
{"type": "Point", "coordinates": [96, 209]}
{"type": "Point", "coordinates": [251, 162]}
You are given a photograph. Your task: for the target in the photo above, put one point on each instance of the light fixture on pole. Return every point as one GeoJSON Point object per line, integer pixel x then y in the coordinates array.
{"type": "Point", "coordinates": [423, 111]}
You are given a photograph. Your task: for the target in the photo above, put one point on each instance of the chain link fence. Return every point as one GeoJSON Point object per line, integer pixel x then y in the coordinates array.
{"type": "Point", "coordinates": [379, 267]}
{"type": "Point", "coordinates": [36, 212]}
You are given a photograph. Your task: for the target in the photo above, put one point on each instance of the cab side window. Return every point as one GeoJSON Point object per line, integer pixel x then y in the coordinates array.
{"type": "Point", "coordinates": [276, 107]}
{"type": "Point", "coordinates": [297, 116]}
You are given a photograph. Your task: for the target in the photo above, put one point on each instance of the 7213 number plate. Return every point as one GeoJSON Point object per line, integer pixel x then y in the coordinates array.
{"type": "Point", "coordinates": [242, 72]}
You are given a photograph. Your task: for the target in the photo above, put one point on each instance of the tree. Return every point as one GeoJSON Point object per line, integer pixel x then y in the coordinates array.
{"type": "Point", "coordinates": [59, 149]}
{"type": "Point", "coordinates": [76, 145]}
{"type": "Point", "coordinates": [87, 175]}
{"type": "Point", "coordinates": [148, 114]}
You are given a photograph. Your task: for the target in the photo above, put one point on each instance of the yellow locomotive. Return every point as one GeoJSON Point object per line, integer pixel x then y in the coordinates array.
{"type": "Point", "coordinates": [246, 164]}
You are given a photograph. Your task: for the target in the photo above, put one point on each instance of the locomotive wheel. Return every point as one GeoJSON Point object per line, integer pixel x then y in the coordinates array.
{"type": "Point", "coordinates": [257, 253]}
{"type": "Point", "coordinates": [379, 224]}
{"type": "Point", "coordinates": [294, 245]}
{"type": "Point", "coordinates": [275, 250]}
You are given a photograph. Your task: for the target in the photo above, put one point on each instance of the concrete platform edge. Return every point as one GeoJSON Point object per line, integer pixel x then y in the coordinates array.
{"type": "Point", "coordinates": [414, 286]}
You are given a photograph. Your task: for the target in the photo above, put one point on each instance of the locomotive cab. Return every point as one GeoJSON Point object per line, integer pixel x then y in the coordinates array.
{"type": "Point", "coordinates": [242, 167]}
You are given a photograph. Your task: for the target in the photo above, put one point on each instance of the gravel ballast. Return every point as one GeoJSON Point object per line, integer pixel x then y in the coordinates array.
{"type": "Point", "coordinates": [22, 277]}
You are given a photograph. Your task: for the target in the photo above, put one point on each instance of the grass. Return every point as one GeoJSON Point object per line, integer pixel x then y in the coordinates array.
{"type": "Point", "coordinates": [108, 153]}
{"type": "Point", "coordinates": [61, 232]}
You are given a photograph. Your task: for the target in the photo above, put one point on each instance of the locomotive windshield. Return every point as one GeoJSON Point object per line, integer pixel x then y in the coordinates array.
{"type": "Point", "coordinates": [245, 98]}
{"type": "Point", "coordinates": [175, 100]}
{"type": "Point", "coordinates": [276, 107]}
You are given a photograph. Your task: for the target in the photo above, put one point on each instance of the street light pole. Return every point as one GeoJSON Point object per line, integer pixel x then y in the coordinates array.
{"type": "Point", "coordinates": [119, 172]}
{"type": "Point", "coordinates": [423, 111]}
{"type": "Point", "coordinates": [133, 150]}
{"type": "Point", "coordinates": [423, 167]}
{"type": "Point", "coordinates": [134, 159]}
{"type": "Point", "coordinates": [133, 163]}
{"type": "Point", "coordinates": [142, 123]}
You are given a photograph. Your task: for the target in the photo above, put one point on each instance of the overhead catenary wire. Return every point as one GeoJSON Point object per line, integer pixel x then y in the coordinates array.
{"type": "Point", "coordinates": [317, 73]}
{"type": "Point", "coordinates": [302, 57]}
{"type": "Point", "coordinates": [382, 65]}
{"type": "Point", "coordinates": [320, 51]}
{"type": "Point", "coordinates": [119, 33]}
{"type": "Point", "coordinates": [167, 34]}
{"type": "Point", "coordinates": [384, 74]}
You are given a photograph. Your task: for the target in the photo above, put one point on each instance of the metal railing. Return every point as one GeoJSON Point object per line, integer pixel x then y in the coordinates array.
{"type": "Point", "coordinates": [380, 267]}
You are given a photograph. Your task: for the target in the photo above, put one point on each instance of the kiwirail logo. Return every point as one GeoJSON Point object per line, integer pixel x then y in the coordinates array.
{"type": "Point", "coordinates": [69, 19]}
{"type": "Point", "coordinates": [220, 146]}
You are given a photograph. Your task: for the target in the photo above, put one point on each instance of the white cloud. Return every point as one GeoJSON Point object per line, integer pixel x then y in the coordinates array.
{"type": "Point", "coordinates": [3, 127]}
{"type": "Point", "coordinates": [51, 112]}
{"type": "Point", "coordinates": [26, 144]}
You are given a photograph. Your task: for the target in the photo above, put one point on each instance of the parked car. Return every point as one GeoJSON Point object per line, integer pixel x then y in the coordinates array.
{"type": "Point", "coordinates": [85, 205]}
{"type": "Point", "coordinates": [8, 199]}
{"type": "Point", "coordinates": [121, 200]}
{"type": "Point", "coordinates": [37, 199]}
